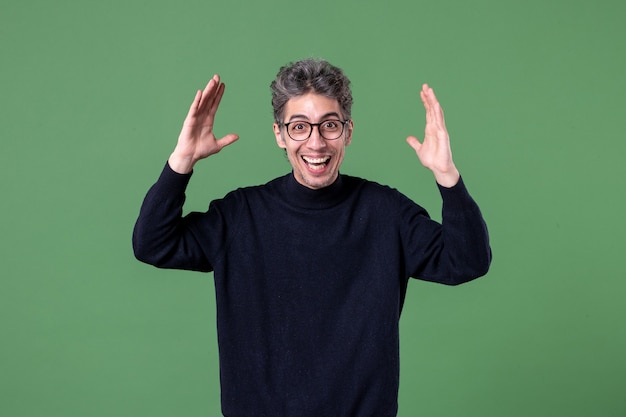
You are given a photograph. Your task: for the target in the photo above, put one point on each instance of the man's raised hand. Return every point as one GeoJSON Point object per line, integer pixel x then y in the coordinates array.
{"type": "Point", "coordinates": [197, 140]}
{"type": "Point", "coordinates": [434, 151]}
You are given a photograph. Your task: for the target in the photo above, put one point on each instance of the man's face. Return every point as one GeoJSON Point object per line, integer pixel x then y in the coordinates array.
{"type": "Point", "coordinates": [315, 161]}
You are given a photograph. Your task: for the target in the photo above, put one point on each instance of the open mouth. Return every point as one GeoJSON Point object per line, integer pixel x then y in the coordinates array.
{"type": "Point", "coordinates": [316, 164]}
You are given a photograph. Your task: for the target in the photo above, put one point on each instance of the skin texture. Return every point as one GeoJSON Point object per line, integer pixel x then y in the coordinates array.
{"type": "Point", "coordinates": [434, 151]}
{"type": "Point", "coordinates": [197, 141]}
{"type": "Point", "coordinates": [314, 108]}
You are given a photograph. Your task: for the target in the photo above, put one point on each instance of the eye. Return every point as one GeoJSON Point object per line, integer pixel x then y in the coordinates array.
{"type": "Point", "coordinates": [330, 125]}
{"type": "Point", "coordinates": [299, 126]}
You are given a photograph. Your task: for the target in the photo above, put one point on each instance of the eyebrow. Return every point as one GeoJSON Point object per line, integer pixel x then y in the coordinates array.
{"type": "Point", "coordinates": [324, 117]}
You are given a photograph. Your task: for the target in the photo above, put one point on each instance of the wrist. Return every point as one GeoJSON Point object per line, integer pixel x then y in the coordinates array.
{"type": "Point", "coordinates": [448, 178]}
{"type": "Point", "coordinates": [181, 164]}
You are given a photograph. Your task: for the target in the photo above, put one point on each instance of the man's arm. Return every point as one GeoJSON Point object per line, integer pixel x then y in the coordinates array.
{"type": "Point", "coordinates": [162, 237]}
{"type": "Point", "coordinates": [460, 249]}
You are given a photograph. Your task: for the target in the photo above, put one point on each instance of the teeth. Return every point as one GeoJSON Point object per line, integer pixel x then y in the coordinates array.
{"type": "Point", "coordinates": [316, 160]}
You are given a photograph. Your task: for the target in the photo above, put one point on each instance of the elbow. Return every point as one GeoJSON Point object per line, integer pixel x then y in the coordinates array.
{"type": "Point", "coordinates": [482, 264]}
{"type": "Point", "coordinates": [144, 252]}
{"type": "Point", "coordinates": [472, 269]}
{"type": "Point", "coordinates": [168, 256]}
{"type": "Point", "coordinates": [151, 257]}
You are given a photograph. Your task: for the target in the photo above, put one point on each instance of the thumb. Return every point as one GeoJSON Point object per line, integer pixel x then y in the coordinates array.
{"type": "Point", "coordinates": [227, 140]}
{"type": "Point", "coordinates": [414, 143]}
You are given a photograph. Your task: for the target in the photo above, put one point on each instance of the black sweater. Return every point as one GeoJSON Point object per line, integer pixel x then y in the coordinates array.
{"type": "Point", "coordinates": [310, 284]}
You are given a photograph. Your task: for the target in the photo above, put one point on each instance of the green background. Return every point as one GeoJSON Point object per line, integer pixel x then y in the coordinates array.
{"type": "Point", "coordinates": [92, 97]}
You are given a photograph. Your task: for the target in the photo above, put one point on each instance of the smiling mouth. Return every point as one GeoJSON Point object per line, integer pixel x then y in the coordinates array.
{"type": "Point", "coordinates": [316, 164]}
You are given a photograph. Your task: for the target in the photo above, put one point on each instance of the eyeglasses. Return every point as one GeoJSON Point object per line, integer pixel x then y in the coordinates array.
{"type": "Point", "coordinates": [330, 129]}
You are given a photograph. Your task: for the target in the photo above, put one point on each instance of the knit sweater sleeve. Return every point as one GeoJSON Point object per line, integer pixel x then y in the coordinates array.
{"type": "Point", "coordinates": [455, 251]}
{"type": "Point", "coordinates": [163, 237]}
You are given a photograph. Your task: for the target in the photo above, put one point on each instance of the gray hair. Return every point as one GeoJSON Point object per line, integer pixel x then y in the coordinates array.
{"type": "Point", "coordinates": [310, 75]}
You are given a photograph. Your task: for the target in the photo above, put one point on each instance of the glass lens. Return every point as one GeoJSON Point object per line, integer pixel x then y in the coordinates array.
{"type": "Point", "coordinates": [331, 129]}
{"type": "Point", "coordinates": [299, 130]}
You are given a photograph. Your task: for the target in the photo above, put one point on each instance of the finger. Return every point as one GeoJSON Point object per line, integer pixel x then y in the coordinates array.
{"type": "Point", "coordinates": [227, 140]}
{"type": "Point", "coordinates": [435, 105]}
{"type": "Point", "coordinates": [424, 96]}
{"type": "Point", "coordinates": [208, 95]}
{"type": "Point", "coordinates": [434, 112]}
{"type": "Point", "coordinates": [217, 100]}
{"type": "Point", "coordinates": [194, 104]}
{"type": "Point", "coordinates": [414, 143]}
{"type": "Point", "coordinates": [215, 80]}
{"type": "Point", "coordinates": [214, 97]}
{"type": "Point", "coordinates": [428, 104]}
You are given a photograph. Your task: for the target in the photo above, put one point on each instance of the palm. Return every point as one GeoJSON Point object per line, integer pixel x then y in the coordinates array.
{"type": "Point", "coordinates": [197, 140]}
{"type": "Point", "coordinates": [434, 151]}
{"type": "Point", "coordinates": [197, 134]}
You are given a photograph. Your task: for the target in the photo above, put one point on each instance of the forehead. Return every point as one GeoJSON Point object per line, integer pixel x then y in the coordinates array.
{"type": "Point", "coordinates": [311, 106]}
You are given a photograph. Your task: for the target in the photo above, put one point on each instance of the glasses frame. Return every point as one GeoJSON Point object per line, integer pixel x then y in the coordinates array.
{"type": "Point", "coordinates": [343, 128]}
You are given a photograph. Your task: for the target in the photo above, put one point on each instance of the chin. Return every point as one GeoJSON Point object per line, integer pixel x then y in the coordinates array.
{"type": "Point", "coordinates": [318, 182]}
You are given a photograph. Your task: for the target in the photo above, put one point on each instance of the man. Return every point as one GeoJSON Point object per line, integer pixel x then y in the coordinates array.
{"type": "Point", "coordinates": [311, 269]}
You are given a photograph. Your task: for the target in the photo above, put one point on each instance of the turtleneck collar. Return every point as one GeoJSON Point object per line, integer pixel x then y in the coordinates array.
{"type": "Point", "coordinates": [301, 196]}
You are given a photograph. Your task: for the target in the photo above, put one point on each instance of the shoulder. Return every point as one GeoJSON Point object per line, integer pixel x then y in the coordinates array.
{"type": "Point", "coordinates": [252, 192]}
{"type": "Point", "coordinates": [272, 186]}
{"type": "Point", "coordinates": [371, 188]}
{"type": "Point", "coordinates": [381, 195]}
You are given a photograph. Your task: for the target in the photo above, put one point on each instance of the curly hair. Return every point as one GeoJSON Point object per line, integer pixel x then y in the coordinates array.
{"type": "Point", "coordinates": [310, 75]}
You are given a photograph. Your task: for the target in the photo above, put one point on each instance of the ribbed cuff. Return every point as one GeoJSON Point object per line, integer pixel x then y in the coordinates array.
{"type": "Point", "coordinates": [171, 179]}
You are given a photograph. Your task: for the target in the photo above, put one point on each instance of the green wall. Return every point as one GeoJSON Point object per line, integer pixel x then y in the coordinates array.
{"type": "Point", "coordinates": [92, 96]}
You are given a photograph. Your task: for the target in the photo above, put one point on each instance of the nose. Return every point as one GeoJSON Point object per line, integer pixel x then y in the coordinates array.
{"type": "Point", "coordinates": [316, 141]}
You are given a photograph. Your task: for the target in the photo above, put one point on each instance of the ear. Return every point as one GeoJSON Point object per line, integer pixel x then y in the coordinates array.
{"type": "Point", "coordinates": [349, 129]}
{"type": "Point", "coordinates": [280, 141]}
